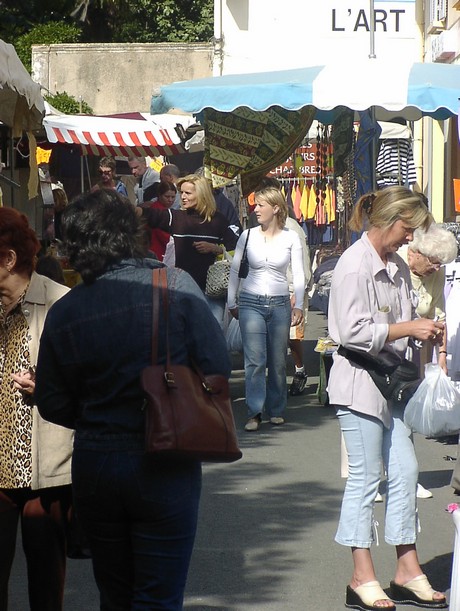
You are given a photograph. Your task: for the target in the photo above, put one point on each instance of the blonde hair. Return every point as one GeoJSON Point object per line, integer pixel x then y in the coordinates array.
{"type": "Point", "coordinates": [383, 208]}
{"type": "Point", "coordinates": [205, 202]}
{"type": "Point", "coordinates": [273, 197]}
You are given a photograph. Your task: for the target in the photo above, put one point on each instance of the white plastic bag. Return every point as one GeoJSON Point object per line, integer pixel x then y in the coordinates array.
{"type": "Point", "coordinates": [233, 336]}
{"type": "Point", "coordinates": [434, 410]}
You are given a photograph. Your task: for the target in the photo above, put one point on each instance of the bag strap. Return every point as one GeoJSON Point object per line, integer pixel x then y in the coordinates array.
{"type": "Point", "coordinates": [246, 244]}
{"type": "Point", "coordinates": [159, 284]}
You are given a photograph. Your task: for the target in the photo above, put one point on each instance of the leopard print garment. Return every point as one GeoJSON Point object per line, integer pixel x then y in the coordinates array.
{"type": "Point", "coordinates": [15, 413]}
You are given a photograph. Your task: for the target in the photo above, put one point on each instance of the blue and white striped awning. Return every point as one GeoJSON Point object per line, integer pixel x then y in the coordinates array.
{"type": "Point", "coordinates": [405, 90]}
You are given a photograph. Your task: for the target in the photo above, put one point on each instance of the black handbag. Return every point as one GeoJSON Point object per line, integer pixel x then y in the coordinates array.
{"type": "Point", "coordinates": [397, 383]}
{"type": "Point", "coordinates": [244, 265]}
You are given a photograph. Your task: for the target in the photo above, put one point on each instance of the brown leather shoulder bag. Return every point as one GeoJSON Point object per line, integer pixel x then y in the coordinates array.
{"type": "Point", "coordinates": [188, 414]}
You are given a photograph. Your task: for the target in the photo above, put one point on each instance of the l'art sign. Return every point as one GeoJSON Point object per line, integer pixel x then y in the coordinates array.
{"type": "Point", "coordinates": [266, 35]}
{"type": "Point", "coordinates": [359, 19]}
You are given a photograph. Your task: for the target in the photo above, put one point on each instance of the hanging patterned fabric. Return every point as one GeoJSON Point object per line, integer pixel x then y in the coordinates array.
{"type": "Point", "coordinates": [251, 143]}
{"type": "Point", "coordinates": [395, 163]}
{"type": "Point", "coordinates": [342, 138]}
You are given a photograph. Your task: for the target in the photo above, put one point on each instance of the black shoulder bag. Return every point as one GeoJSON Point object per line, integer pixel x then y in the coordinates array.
{"type": "Point", "coordinates": [397, 383]}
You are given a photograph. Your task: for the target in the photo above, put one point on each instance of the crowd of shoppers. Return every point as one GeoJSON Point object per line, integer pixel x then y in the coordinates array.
{"type": "Point", "coordinates": [82, 383]}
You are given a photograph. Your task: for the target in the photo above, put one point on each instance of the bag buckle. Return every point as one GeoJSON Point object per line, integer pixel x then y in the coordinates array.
{"type": "Point", "coordinates": [169, 378]}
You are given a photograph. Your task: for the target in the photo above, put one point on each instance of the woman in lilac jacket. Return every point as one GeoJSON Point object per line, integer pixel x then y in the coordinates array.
{"type": "Point", "coordinates": [371, 310]}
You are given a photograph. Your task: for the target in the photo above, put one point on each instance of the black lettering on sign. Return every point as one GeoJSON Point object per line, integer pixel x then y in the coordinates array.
{"type": "Point", "coordinates": [382, 20]}
{"type": "Point", "coordinates": [335, 28]}
{"type": "Point", "coordinates": [397, 13]}
{"type": "Point", "coordinates": [361, 21]}
{"type": "Point", "coordinates": [380, 16]}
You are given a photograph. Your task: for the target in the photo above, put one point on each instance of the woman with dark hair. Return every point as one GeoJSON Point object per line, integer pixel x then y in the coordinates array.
{"type": "Point", "coordinates": [371, 310]}
{"type": "Point", "coordinates": [109, 180]}
{"type": "Point", "coordinates": [34, 455]}
{"type": "Point", "coordinates": [166, 196]}
{"type": "Point", "coordinates": [139, 515]}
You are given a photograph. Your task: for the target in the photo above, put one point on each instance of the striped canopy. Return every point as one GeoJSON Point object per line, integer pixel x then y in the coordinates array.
{"type": "Point", "coordinates": [113, 136]}
{"type": "Point", "coordinates": [409, 90]}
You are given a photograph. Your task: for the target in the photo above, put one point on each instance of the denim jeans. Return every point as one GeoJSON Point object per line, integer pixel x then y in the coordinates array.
{"type": "Point", "coordinates": [369, 446]}
{"type": "Point", "coordinates": [265, 323]}
{"type": "Point", "coordinates": [140, 518]}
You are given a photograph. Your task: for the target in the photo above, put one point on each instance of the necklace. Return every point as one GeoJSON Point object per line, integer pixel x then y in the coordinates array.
{"type": "Point", "coordinates": [10, 304]}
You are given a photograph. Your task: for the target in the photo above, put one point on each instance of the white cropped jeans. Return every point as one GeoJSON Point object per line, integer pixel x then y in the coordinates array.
{"type": "Point", "coordinates": [369, 446]}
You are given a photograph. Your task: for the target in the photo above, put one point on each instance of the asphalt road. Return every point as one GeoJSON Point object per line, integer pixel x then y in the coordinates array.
{"type": "Point", "coordinates": [267, 522]}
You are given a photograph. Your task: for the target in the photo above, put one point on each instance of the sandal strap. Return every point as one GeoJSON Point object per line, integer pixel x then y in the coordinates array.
{"type": "Point", "coordinates": [371, 592]}
{"type": "Point", "coordinates": [421, 587]}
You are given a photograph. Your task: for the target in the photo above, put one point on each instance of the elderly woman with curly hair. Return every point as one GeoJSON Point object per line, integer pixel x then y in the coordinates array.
{"type": "Point", "coordinates": [425, 255]}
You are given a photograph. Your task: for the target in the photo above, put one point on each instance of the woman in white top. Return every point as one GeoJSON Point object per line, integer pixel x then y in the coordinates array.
{"type": "Point", "coordinates": [264, 307]}
{"type": "Point", "coordinates": [372, 309]}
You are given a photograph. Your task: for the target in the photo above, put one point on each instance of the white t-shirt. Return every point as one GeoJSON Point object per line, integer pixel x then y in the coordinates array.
{"type": "Point", "coordinates": [268, 264]}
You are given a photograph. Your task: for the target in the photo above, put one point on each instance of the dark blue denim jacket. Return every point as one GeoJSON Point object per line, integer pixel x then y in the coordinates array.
{"type": "Point", "coordinates": [97, 339]}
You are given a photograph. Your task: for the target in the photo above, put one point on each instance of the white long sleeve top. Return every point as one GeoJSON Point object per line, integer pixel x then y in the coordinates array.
{"type": "Point", "coordinates": [366, 297]}
{"type": "Point", "coordinates": [268, 264]}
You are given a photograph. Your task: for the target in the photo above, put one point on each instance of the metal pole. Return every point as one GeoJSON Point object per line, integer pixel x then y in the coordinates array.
{"type": "Point", "coordinates": [82, 175]}
{"type": "Point", "coordinates": [372, 54]}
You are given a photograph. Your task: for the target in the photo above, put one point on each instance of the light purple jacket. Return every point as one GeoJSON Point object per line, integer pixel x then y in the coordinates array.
{"type": "Point", "coordinates": [366, 297]}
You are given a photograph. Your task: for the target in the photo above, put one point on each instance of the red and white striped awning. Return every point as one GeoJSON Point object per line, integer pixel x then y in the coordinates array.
{"type": "Point", "coordinates": [113, 136]}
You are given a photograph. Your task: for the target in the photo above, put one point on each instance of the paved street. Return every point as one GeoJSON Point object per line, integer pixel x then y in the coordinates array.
{"type": "Point", "coordinates": [267, 523]}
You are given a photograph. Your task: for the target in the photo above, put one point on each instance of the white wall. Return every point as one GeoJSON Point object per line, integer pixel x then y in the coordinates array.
{"type": "Point", "coordinates": [263, 35]}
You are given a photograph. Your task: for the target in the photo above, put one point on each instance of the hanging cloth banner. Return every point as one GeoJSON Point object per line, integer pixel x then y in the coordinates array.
{"type": "Point", "coordinates": [251, 143]}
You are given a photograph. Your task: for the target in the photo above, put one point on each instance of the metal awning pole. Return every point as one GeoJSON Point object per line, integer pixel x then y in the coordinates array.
{"type": "Point", "coordinates": [372, 54]}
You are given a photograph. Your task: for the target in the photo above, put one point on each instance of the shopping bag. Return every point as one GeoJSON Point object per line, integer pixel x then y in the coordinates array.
{"type": "Point", "coordinates": [218, 277]}
{"type": "Point", "coordinates": [434, 409]}
{"type": "Point", "coordinates": [233, 336]}
{"type": "Point", "coordinates": [232, 332]}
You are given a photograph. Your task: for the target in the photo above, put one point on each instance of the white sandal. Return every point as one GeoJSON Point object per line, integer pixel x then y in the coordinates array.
{"type": "Point", "coordinates": [365, 596]}
{"type": "Point", "coordinates": [418, 592]}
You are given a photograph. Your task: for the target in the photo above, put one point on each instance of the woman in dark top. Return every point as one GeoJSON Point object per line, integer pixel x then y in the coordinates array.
{"type": "Point", "coordinates": [139, 516]}
{"type": "Point", "coordinates": [199, 231]}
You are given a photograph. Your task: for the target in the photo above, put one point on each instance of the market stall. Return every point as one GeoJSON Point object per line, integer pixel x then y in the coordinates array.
{"type": "Point", "coordinates": [21, 105]}
{"type": "Point", "coordinates": [251, 120]}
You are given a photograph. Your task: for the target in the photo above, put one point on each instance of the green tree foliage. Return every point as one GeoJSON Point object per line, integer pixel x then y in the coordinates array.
{"type": "Point", "coordinates": [106, 21]}
{"type": "Point", "coordinates": [53, 32]}
{"type": "Point", "coordinates": [68, 104]}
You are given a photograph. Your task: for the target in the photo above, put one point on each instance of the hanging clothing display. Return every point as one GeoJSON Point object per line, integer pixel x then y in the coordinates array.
{"type": "Point", "coordinates": [395, 163]}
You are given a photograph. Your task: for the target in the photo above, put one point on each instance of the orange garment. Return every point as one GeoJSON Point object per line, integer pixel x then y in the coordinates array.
{"type": "Point", "coordinates": [304, 201]}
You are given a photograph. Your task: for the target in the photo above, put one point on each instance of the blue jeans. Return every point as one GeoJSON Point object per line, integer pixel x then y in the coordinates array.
{"type": "Point", "coordinates": [369, 445]}
{"type": "Point", "coordinates": [264, 323]}
{"type": "Point", "coordinates": [140, 519]}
